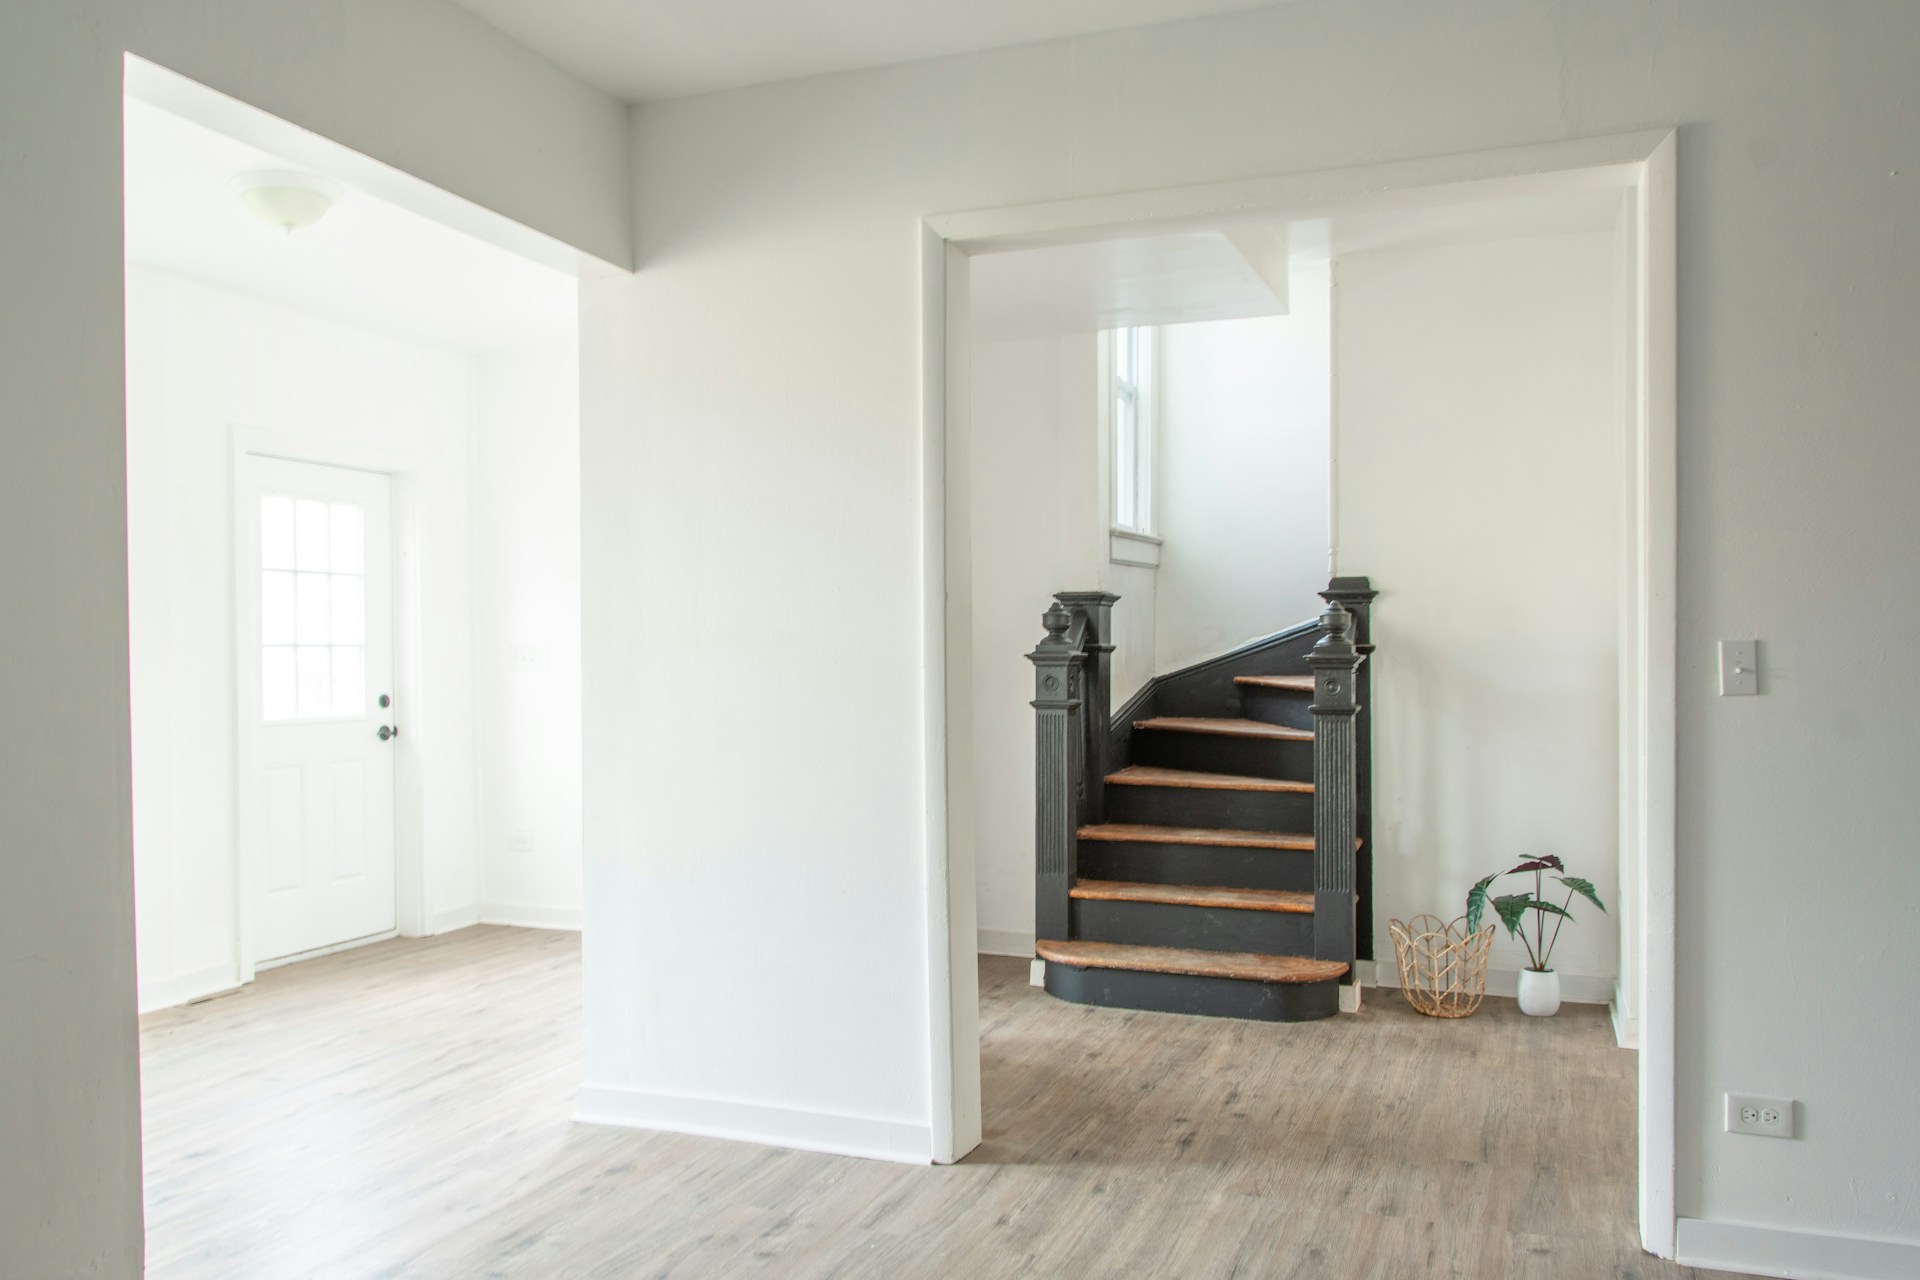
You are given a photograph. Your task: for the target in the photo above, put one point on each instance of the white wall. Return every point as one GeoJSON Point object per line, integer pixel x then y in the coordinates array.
{"type": "Point", "coordinates": [1479, 434]}
{"type": "Point", "coordinates": [527, 632]}
{"type": "Point", "coordinates": [203, 362]}
{"type": "Point", "coordinates": [1036, 531]}
{"type": "Point", "coordinates": [752, 417]}
{"type": "Point", "coordinates": [1243, 432]}
{"type": "Point", "coordinates": [423, 85]}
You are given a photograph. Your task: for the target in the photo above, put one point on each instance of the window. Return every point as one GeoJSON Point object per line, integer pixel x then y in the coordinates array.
{"type": "Point", "coordinates": [1131, 415]}
{"type": "Point", "coordinates": [313, 598]}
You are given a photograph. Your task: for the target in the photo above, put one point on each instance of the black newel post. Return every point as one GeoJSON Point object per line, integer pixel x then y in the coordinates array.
{"type": "Point", "coordinates": [1356, 594]}
{"type": "Point", "coordinates": [1056, 704]}
{"type": "Point", "coordinates": [1336, 665]}
{"type": "Point", "coordinates": [1096, 712]}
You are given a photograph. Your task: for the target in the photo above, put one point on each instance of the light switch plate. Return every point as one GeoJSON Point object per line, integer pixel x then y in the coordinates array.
{"type": "Point", "coordinates": [1739, 668]}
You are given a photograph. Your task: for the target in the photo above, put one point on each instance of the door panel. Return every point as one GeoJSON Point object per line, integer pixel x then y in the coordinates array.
{"type": "Point", "coordinates": [316, 639]}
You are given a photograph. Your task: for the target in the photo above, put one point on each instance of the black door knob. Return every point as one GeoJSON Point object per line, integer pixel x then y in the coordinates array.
{"type": "Point", "coordinates": [388, 731]}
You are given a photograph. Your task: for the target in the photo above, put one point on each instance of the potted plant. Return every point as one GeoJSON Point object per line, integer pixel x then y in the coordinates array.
{"type": "Point", "coordinates": [1539, 984]}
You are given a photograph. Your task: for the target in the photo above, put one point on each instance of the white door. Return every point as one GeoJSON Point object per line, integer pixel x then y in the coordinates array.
{"type": "Point", "coordinates": [315, 597]}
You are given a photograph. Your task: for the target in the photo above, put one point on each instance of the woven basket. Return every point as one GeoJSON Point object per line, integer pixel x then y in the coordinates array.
{"type": "Point", "coordinates": [1443, 968]}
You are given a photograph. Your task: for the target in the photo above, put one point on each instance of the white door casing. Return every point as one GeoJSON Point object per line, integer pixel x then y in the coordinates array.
{"type": "Point", "coordinates": [314, 601]}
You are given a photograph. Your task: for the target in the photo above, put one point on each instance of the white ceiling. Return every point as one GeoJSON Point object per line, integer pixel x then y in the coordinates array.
{"type": "Point", "coordinates": [367, 263]}
{"type": "Point", "coordinates": [1111, 284]}
{"type": "Point", "coordinates": [1234, 272]}
{"type": "Point", "coordinates": [644, 50]}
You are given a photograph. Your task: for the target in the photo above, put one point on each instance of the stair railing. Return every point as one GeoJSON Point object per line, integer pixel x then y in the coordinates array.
{"type": "Point", "coordinates": [1073, 692]}
{"type": "Point", "coordinates": [1335, 660]}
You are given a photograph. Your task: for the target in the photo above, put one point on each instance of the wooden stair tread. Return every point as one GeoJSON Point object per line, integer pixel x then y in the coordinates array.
{"type": "Point", "coordinates": [1226, 727]}
{"type": "Point", "coordinates": [1141, 775]}
{"type": "Point", "coordinates": [1300, 684]}
{"type": "Point", "coordinates": [1142, 833]}
{"type": "Point", "coordinates": [1195, 895]}
{"type": "Point", "coordinates": [1244, 965]}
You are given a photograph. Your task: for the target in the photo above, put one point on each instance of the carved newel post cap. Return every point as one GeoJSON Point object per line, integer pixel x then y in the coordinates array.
{"type": "Point", "coordinates": [1337, 623]}
{"type": "Point", "coordinates": [1056, 620]}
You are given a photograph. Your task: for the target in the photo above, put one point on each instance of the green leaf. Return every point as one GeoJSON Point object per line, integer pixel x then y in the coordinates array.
{"type": "Point", "coordinates": [1477, 902]}
{"type": "Point", "coordinates": [1513, 908]}
{"type": "Point", "coordinates": [1584, 888]}
{"type": "Point", "coordinates": [1545, 862]}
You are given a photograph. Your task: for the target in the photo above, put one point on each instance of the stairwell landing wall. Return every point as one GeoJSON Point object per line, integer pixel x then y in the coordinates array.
{"type": "Point", "coordinates": [1243, 485]}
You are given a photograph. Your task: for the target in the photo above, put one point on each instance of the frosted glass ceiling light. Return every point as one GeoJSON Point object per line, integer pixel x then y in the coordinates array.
{"type": "Point", "coordinates": [286, 199]}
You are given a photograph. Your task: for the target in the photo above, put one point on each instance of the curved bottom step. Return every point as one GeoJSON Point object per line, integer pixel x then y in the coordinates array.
{"type": "Point", "coordinates": [1211, 984]}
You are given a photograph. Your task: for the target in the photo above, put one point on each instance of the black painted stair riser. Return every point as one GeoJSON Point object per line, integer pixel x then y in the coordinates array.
{"type": "Point", "coordinates": [1182, 993]}
{"type": "Point", "coordinates": [1211, 807]}
{"type": "Point", "coordinates": [1218, 753]}
{"type": "Point", "coordinates": [1215, 865]}
{"type": "Point", "coordinates": [1164, 924]}
{"type": "Point", "coordinates": [1291, 707]}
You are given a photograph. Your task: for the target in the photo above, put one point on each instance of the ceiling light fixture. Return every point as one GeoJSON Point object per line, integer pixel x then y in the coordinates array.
{"type": "Point", "coordinates": [287, 199]}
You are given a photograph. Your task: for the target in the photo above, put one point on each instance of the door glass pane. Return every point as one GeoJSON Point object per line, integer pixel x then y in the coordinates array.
{"type": "Point", "coordinates": [349, 680]}
{"type": "Point", "coordinates": [276, 607]}
{"type": "Point", "coordinates": [310, 535]}
{"type": "Point", "coordinates": [346, 539]}
{"type": "Point", "coordinates": [313, 670]}
{"type": "Point", "coordinates": [311, 610]}
{"type": "Point", "coordinates": [278, 700]}
{"type": "Point", "coordinates": [276, 532]}
{"type": "Point", "coordinates": [349, 625]}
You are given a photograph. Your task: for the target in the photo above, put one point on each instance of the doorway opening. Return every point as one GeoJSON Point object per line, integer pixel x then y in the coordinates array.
{"type": "Point", "coordinates": [1417, 256]}
{"type": "Point", "coordinates": [354, 596]}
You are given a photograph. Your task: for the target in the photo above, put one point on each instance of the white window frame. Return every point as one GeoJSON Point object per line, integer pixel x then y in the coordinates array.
{"type": "Point", "coordinates": [1134, 541]}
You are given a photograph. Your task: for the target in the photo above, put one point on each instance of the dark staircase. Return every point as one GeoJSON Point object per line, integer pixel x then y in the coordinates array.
{"type": "Point", "coordinates": [1204, 850]}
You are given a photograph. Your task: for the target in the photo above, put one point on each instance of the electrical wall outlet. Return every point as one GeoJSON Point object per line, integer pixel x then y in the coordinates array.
{"type": "Point", "coordinates": [1762, 1117]}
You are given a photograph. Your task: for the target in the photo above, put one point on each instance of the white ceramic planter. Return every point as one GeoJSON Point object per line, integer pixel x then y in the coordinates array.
{"type": "Point", "coordinates": [1539, 992]}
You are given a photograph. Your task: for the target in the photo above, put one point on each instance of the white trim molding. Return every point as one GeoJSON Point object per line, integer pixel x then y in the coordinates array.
{"type": "Point", "coordinates": [1792, 1255]}
{"type": "Point", "coordinates": [1127, 547]}
{"type": "Point", "coordinates": [1643, 163]}
{"type": "Point", "coordinates": [841, 1135]}
{"type": "Point", "coordinates": [1626, 1026]}
{"type": "Point", "coordinates": [526, 915]}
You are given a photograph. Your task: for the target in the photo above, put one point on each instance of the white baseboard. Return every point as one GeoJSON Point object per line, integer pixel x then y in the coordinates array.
{"type": "Point", "coordinates": [1575, 988]}
{"type": "Point", "coordinates": [168, 993]}
{"type": "Point", "coordinates": [1006, 942]}
{"type": "Point", "coordinates": [452, 918]}
{"type": "Point", "coordinates": [834, 1134]}
{"type": "Point", "coordinates": [529, 916]}
{"type": "Point", "coordinates": [1793, 1255]}
{"type": "Point", "coordinates": [1626, 1029]}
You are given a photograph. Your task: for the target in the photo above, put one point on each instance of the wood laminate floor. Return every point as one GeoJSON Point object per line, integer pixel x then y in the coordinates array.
{"type": "Point", "coordinates": [403, 1110]}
